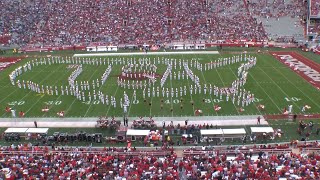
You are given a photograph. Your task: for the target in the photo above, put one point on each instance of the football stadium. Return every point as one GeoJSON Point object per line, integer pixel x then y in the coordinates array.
{"type": "Point", "coordinates": [159, 89]}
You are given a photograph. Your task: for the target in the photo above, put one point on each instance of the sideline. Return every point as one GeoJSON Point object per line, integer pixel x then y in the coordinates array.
{"type": "Point", "coordinates": [91, 122]}
{"type": "Point", "coordinates": [143, 53]}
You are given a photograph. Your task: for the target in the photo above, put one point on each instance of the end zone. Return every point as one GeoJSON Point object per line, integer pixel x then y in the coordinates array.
{"type": "Point", "coordinates": [304, 67]}
{"type": "Point", "coordinates": [5, 62]}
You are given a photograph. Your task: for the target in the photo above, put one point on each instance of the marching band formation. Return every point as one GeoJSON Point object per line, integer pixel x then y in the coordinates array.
{"type": "Point", "coordinates": [141, 74]}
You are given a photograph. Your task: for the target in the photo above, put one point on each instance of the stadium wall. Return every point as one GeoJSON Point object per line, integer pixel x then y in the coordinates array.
{"type": "Point", "coordinates": [207, 45]}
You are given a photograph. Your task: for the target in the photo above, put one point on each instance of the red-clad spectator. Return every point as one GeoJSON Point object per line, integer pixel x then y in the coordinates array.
{"type": "Point", "coordinates": [126, 22]}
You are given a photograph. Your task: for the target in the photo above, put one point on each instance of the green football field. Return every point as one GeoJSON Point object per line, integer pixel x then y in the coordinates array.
{"type": "Point", "coordinates": [273, 85]}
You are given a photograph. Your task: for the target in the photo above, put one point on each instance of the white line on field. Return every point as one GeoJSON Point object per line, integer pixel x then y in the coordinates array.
{"type": "Point", "coordinates": [85, 115]}
{"type": "Point", "coordinates": [131, 104]}
{"type": "Point", "coordinates": [278, 86]}
{"type": "Point", "coordinates": [193, 111]}
{"type": "Point", "coordinates": [208, 92]}
{"type": "Point", "coordinates": [253, 101]}
{"type": "Point", "coordinates": [297, 87]}
{"type": "Point", "coordinates": [75, 98]}
{"type": "Point", "coordinates": [34, 92]}
{"type": "Point", "coordinates": [114, 97]}
{"type": "Point", "coordinates": [45, 95]}
{"type": "Point", "coordinates": [225, 86]}
{"type": "Point", "coordinates": [171, 93]}
{"type": "Point", "coordinates": [17, 89]}
{"type": "Point", "coordinates": [266, 93]}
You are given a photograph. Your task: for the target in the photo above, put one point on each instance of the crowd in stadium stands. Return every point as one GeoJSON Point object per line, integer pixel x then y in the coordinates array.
{"type": "Point", "coordinates": [315, 7]}
{"type": "Point", "coordinates": [74, 164]}
{"type": "Point", "coordinates": [72, 22]}
{"type": "Point", "coordinates": [314, 28]}
{"type": "Point", "coordinates": [207, 162]}
{"type": "Point", "coordinates": [277, 8]}
{"type": "Point", "coordinates": [288, 165]}
{"type": "Point", "coordinates": [5, 39]}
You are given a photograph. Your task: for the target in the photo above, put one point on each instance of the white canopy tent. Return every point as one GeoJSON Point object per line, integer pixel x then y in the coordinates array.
{"type": "Point", "coordinates": [234, 133]}
{"type": "Point", "coordinates": [262, 130]}
{"type": "Point", "coordinates": [224, 133]}
{"type": "Point", "coordinates": [239, 131]}
{"type": "Point", "coordinates": [38, 130]}
{"type": "Point", "coordinates": [136, 132]}
{"type": "Point", "coordinates": [208, 132]}
{"type": "Point", "coordinates": [16, 130]}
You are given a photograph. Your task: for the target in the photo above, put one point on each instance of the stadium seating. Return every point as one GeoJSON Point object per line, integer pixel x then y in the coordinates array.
{"type": "Point", "coordinates": [315, 7]}
{"type": "Point", "coordinates": [5, 39]}
{"type": "Point", "coordinates": [253, 162]}
{"type": "Point", "coordinates": [110, 163]}
{"type": "Point", "coordinates": [282, 20]}
{"type": "Point", "coordinates": [117, 22]}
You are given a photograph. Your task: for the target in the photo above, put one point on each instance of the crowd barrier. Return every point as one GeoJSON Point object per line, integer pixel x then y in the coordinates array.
{"type": "Point", "coordinates": [112, 153]}
{"type": "Point", "coordinates": [229, 152]}
{"type": "Point", "coordinates": [207, 45]}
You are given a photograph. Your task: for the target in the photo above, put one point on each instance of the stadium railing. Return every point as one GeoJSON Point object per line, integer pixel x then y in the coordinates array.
{"type": "Point", "coordinates": [112, 153]}
{"type": "Point", "coordinates": [229, 152]}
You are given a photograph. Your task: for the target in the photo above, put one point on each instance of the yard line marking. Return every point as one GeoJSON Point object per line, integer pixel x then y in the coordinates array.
{"type": "Point", "coordinates": [151, 103]}
{"type": "Point", "coordinates": [70, 105]}
{"type": "Point", "coordinates": [253, 101]}
{"type": "Point", "coordinates": [85, 115]}
{"type": "Point", "coordinates": [151, 94]}
{"type": "Point", "coordinates": [298, 88]}
{"type": "Point", "coordinates": [75, 99]}
{"type": "Point", "coordinates": [52, 86]}
{"type": "Point", "coordinates": [57, 100]}
{"type": "Point", "coordinates": [189, 88]}
{"type": "Point", "coordinates": [209, 90]}
{"type": "Point", "coordinates": [277, 86]}
{"type": "Point", "coordinates": [224, 84]}
{"type": "Point", "coordinates": [110, 104]}
{"type": "Point", "coordinates": [19, 88]}
{"type": "Point", "coordinates": [32, 92]}
{"type": "Point", "coordinates": [265, 92]}
{"type": "Point", "coordinates": [131, 104]}
{"type": "Point", "coordinates": [171, 92]}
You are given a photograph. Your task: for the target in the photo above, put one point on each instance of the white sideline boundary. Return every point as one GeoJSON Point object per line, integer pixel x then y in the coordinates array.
{"type": "Point", "coordinates": [143, 53]}
{"type": "Point", "coordinates": [91, 122]}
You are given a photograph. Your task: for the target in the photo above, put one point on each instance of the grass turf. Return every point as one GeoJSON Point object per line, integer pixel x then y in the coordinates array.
{"type": "Point", "coordinates": [273, 85]}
